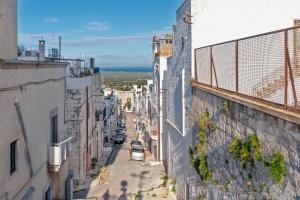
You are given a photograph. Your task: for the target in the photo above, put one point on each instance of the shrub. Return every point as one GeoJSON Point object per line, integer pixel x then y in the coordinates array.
{"type": "Point", "coordinates": [226, 105]}
{"type": "Point", "coordinates": [277, 166]}
{"type": "Point", "coordinates": [165, 180]}
{"type": "Point", "coordinates": [248, 151]}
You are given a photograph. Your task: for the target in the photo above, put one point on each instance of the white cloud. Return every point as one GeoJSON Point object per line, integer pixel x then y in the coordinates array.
{"type": "Point", "coordinates": [97, 26]}
{"type": "Point", "coordinates": [105, 40]}
{"type": "Point", "coordinates": [50, 20]}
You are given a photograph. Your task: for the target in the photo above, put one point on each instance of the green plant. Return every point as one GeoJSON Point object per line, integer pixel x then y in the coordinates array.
{"type": "Point", "coordinates": [202, 197]}
{"type": "Point", "coordinates": [173, 183]}
{"type": "Point", "coordinates": [277, 166]}
{"type": "Point", "coordinates": [226, 105]}
{"type": "Point", "coordinates": [165, 179]}
{"type": "Point", "coordinates": [206, 123]}
{"type": "Point", "coordinates": [204, 172]}
{"type": "Point", "coordinates": [197, 156]}
{"type": "Point", "coordinates": [248, 151]}
{"type": "Point", "coordinates": [235, 147]}
{"type": "Point", "coordinates": [255, 146]}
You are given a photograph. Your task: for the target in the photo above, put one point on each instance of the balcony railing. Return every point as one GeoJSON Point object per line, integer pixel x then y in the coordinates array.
{"type": "Point", "coordinates": [58, 153]}
{"type": "Point", "coordinates": [264, 67]}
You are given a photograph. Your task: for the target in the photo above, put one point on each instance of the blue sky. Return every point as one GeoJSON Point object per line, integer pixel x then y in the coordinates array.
{"type": "Point", "coordinates": [115, 32]}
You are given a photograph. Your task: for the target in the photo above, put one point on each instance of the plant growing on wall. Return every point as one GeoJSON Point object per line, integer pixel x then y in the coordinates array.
{"type": "Point", "coordinates": [248, 151]}
{"type": "Point", "coordinates": [173, 183]}
{"type": "Point", "coordinates": [251, 150]}
{"type": "Point", "coordinates": [197, 156]}
{"type": "Point", "coordinates": [277, 166]}
{"type": "Point", "coordinates": [226, 105]}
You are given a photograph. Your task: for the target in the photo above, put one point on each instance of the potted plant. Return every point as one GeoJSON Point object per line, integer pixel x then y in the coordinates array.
{"type": "Point", "coordinates": [97, 115]}
{"type": "Point", "coordinates": [93, 162]}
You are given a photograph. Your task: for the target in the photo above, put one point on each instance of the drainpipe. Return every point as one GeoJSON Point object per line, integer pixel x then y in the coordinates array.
{"type": "Point", "coordinates": [19, 113]}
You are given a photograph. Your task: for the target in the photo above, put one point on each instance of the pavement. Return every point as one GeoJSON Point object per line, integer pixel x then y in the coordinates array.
{"type": "Point", "coordinates": [125, 179]}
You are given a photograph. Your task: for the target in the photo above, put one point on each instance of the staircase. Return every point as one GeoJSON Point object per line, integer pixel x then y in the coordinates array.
{"type": "Point", "coordinates": [272, 83]}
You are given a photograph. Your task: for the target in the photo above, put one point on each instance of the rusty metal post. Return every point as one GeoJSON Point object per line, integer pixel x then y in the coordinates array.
{"type": "Point", "coordinates": [211, 66]}
{"type": "Point", "coordinates": [195, 65]}
{"type": "Point", "coordinates": [237, 66]}
{"type": "Point", "coordinates": [285, 69]}
{"type": "Point", "coordinates": [214, 70]}
{"type": "Point", "coordinates": [292, 78]}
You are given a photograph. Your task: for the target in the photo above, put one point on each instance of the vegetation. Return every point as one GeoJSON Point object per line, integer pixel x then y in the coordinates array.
{"type": "Point", "coordinates": [277, 166]}
{"type": "Point", "coordinates": [165, 179]}
{"type": "Point", "coordinates": [251, 150]}
{"type": "Point", "coordinates": [202, 197]}
{"type": "Point", "coordinates": [197, 156]}
{"type": "Point", "coordinates": [125, 81]}
{"type": "Point", "coordinates": [248, 151]}
{"type": "Point", "coordinates": [173, 183]}
{"type": "Point", "coordinates": [226, 105]}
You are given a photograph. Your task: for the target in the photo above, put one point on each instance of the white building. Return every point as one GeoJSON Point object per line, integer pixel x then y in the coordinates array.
{"type": "Point", "coordinates": [33, 148]}
{"type": "Point", "coordinates": [200, 23]}
{"type": "Point", "coordinates": [126, 100]}
{"type": "Point", "coordinates": [162, 50]}
{"type": "Point", "coordinates": [83, 120]}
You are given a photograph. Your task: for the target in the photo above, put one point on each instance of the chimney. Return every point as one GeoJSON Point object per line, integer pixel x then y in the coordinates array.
{"type": "Point", "coordinates": [92, 63]}
{"type": "Point", "coordinates": [8, 30]}
{"type": "Point", "coordinates": [42, 50]}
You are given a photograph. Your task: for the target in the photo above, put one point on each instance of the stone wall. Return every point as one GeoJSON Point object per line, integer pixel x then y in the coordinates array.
{"type": "Point", "coordinates": [230, 179]}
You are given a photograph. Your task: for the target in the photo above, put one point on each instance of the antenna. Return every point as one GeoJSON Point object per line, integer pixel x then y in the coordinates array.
{"type": "Point", "coordinates": [59, 48]}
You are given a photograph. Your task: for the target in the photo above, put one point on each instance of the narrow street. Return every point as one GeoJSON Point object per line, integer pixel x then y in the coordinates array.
{"type": "Point", "coordinates": [126, 179]}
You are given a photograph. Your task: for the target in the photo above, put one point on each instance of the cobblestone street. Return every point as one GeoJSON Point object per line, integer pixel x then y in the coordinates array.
{"type": "Point", "coordinates": [126, 179]}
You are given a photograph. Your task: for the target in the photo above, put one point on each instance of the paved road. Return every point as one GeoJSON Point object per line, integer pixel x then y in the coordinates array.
{"type": "Point", "coordinates": [126, 178]}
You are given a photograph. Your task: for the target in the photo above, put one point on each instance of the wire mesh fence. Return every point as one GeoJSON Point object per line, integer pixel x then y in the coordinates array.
{"type": "Point", "coordinates": [265, 66]}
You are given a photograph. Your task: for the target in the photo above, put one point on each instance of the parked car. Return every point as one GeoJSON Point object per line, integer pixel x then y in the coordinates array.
{"type": "Point", "coordinates": [136, 143]}
{"type": "Point", "coordinates": [118, 138]}
{"type": "Point", "coordinates": [137, 153]}
{"type": "Point", "coordinates": [123, 132]}
{"type": "Point", "coordinates": [122, 127]}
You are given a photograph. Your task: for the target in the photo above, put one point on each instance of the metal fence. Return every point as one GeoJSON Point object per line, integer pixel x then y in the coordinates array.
{"type": "Point", "coordinates": [265, 67]}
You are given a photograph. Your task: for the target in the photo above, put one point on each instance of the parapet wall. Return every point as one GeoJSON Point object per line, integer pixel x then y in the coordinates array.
{"type": "Point", "coordinates": [230, 179]}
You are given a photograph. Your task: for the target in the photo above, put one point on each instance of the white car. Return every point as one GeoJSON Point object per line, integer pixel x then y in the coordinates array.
{"type": "Point", "coordinates": [137, 153]}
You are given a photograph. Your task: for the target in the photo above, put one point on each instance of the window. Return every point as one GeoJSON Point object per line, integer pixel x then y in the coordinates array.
{"type": "Point", "coordinates": [48, 193]}
{"type": "Point", "coordinates": [54, 131]}
{"type": "Point", "coordinates": [13, 156]}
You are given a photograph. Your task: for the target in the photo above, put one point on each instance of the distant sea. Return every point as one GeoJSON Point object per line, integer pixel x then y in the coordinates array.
{"type": "Point", "coordinates": [125, 69]}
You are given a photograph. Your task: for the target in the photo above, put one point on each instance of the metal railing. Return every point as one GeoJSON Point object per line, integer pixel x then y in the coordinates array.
{"type": "Point", "coordinates": [58, 153]}
{"type": "Point", "coordinates": [265, 67]}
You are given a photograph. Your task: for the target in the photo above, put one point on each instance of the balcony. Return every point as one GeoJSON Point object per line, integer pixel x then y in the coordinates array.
{"type": "Point", "coordinates": [58, 153]}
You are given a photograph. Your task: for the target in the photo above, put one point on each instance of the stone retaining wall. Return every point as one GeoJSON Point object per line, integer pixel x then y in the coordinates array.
{"type": "Point", "coordinates": [231, 180]}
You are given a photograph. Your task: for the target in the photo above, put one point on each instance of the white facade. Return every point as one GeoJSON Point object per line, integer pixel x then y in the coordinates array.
{"type": "Point", "coordinates": [219, 21]}
{"type": "Point", "coordinates": [37, 102]}
{"type": "Point", "coordinates": [162, 50]}
{"type": "Point", "coordinates": [82, 102]}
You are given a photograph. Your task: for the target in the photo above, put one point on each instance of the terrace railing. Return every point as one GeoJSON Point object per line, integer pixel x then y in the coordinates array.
{"type": "Point", "coordinates": [265, 67]}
